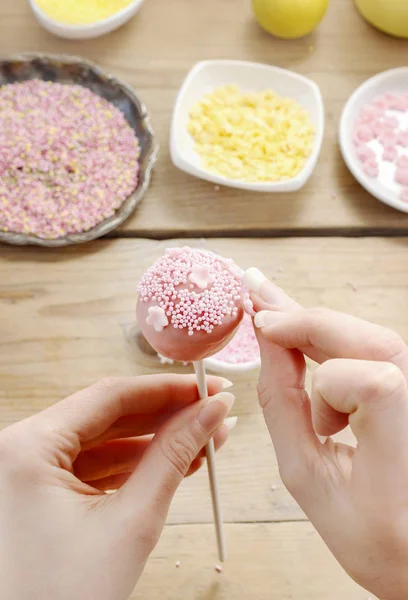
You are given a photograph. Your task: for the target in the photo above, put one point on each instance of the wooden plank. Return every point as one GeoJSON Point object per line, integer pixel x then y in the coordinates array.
{"type": "Point", "coordinates": [154, 53]}
{"type": "Point", "coordinates": [278, 561]}
{"type": "Point", "coordinates": [67, 319]}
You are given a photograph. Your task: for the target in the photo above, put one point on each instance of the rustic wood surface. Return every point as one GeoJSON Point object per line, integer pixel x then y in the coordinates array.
{"type": "Point", "coordinates": [67, 319]}
{"type": "Point", "coordinates": [67, 316]}
{"type": "Point", "coordinates": [155, 51]}
{"type": "Point", "coordinates": [280, 561]}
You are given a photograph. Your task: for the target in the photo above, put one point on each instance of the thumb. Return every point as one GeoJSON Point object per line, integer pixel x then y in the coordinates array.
{"type": "Point", "coordinates": [151, 488]}
{"type": "Point", "coordinates": [286, 407]}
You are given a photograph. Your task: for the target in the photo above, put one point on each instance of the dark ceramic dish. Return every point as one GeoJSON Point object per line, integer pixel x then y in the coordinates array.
{"type": "Point", "coordinates": [70, 69]}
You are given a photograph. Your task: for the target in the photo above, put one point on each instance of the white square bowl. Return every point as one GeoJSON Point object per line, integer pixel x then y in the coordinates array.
{"type": "Point", "coordinates": [208, 75]}
{"type": "Point", "coordinates": [384, 188]}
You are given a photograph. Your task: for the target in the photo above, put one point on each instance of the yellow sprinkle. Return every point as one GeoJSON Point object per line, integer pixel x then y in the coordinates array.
{"type": "Point", "coordinates": [256, 136]}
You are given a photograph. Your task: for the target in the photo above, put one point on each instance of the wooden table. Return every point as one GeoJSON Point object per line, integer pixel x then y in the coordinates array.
{"type": "Point", "coordinates": [67, 316]}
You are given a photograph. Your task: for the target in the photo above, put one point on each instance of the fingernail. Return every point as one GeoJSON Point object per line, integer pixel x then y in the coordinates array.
{"type": "Point", "coordinates": [253, 279]}
{"type": "Point", "coordinates": [268, 317]}
{"type": "Point", "coordinates": [231, 422]}
{"type": "Point", "coordinates": [257, 282]}
{"type": "Point", "coordinates": [226, 383]}
{"type": "Point", "coordinates": [322, 439]}
{"type": "Point", "coordinates": [215, 410]}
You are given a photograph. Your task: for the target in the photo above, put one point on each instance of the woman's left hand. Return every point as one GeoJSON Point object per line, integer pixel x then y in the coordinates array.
{"type": "Point", "coordinates": [61, 535]}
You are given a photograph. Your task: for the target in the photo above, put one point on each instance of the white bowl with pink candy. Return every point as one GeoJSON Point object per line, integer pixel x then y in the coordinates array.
{"type": "Point", "coordinates": [374, 137]}
{"type": "Point", "coordinates": [241, 355]}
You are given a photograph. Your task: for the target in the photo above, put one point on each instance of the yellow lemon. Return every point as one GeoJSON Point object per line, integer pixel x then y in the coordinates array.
{"type": "Point", "coordinates": [390, 16]}
{"type": "Point", "coordinates": [289, 18]}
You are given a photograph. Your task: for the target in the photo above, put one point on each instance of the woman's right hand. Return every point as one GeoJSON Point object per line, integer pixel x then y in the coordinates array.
{"type": "Point", "coordinates": [356, 498]}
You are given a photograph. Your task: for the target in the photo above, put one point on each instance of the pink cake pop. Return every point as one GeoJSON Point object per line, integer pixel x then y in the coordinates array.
{"type": "Point", "coordinates": [190, 303]}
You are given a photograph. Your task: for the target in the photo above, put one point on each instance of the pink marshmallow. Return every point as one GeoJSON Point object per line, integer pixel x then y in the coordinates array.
{"type": "Point", "coordinates": [380, 103]}
{"type": "Point", "coordinates": [401, 176]}
{"type": "Point", "coordinates": [369, 113]}
{"type": "Point", "coordinates": [391, 101]}
{"type": "Point", "coordinates": [401, 104]}
{"type": "Point", "coordinates": [390, 154]}
{"type": "Point", "coordinates": [388, 138]}
{"type": "Point", "coordinates": [371, 169]}
{"type": "Point", "coordinates": [403, 138]}
{"type": "Point", "coordinates": [403, 162]}
{"type": "Point", "coordinates": [365, 154]}
{"type": "Point", "coordinates": [364, 133]}
{"type": "Point", "coordinates": [391, 122]}
{"type": "Point", "coordinates": [379, 128]}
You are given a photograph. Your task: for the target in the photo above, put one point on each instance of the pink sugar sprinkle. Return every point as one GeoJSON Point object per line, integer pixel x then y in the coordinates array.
{"type": "Point", "coordinates": [243, 348]}
{"type": "Point", "coordinates": [186, 305]}
{"type": "Point", "coordinates": [219, 568]}
{"type": "Point", "coordinates": [68, 159]}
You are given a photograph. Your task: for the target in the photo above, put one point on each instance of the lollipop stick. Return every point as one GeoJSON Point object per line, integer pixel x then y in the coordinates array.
{"type": "Point", "coordinates": [212, 474]}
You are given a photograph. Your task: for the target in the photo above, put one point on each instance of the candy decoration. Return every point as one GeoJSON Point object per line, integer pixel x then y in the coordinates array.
{"type": "Point", "coordinates": [200, 294]}
{"type": "Point", "coordinates": [200, 276]}
{"type": "Point", "coordinates": [189, 307]}
{"type": "Point", "coordinates": [390, 154]}
{"type": "Point", "coordinates": [375, 119]}
{"type": "Point", "coordinates": [157, 318]}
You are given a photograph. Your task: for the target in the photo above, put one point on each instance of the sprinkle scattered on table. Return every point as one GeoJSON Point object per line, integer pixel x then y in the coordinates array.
{"type": "Point", "coordinates": [68, 159]}
{"type": "Point", "coordinates": [219, 568]}
{"type": "Point", "coordinates": [258, 136]}
{"type": "Point", "coordinates": [177, 564]}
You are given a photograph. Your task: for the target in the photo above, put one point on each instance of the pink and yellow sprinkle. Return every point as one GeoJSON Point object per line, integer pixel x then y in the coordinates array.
{"type": "Point", "coordinates": [68, 159]}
